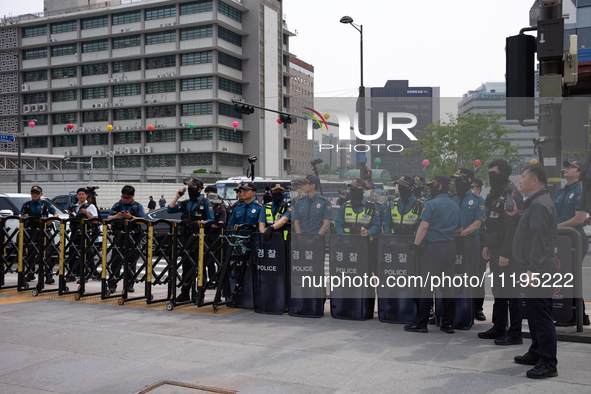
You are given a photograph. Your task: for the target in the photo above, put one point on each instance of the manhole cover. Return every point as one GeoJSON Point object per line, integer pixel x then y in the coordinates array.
{"type": "Point", "coordinates": [170, 387]}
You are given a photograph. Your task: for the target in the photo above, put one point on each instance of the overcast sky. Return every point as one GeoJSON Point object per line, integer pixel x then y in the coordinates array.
{"type": "Point", "coordinates": [454, 44]}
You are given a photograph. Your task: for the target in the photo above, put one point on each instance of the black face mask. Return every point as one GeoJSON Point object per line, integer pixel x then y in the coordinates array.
{"type": "Point", "coordinates": [417, 191]}
{"type": "Point", "coordinates": [497, 181]}
{"type": "Point", "coordinates": [462, 187]}
{"type": "Point", "coordinates": [356, 195]}
{"type": "Point", "coordinates": [405, 192]}
{"type": "Point", "coordinates": [435, 190]}
{"type": "Point", "coordinates": [194, 194]}
{"type": "Point", "coordinates": [277, 198]}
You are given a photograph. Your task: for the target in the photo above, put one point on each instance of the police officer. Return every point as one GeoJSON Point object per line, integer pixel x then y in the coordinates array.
{"type": "Point", "coordinates": [276, 215]}
{"type": "Point", "coordinates": [220, 214]}
{"type": "Point", "coordinates": [479, 300]}
{"type": "Point", "coordinates": [313, 213]}
{"type": "Point", "coordinates": [565, 202]}
{"type": "Point", "coordinates": [402, 214]}
{"type": "Point", "coordinates": [39, 208]}
{"type": "Point", "coordinates": [499, 230]}
{"type": "Point", "coordinates": [419, 186]}
{"type": "Point", "coordinates": [82, 210]}
{"type": "Point", "coordinates": [440, 219]}
{"type": "Point", "coordinates": [248, 210]}
{"type": "Point", "coordinates": [194, 211]}
{"type": "Point", "coordinates": [295, 192]}
{"type": "Point", "coordinates": [129, 209]}
{"type": "Point", "coordinates": [358, 216]}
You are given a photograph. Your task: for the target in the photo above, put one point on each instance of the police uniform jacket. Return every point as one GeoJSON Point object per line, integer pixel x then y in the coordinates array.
{"type": "Point", "coordinates": [311, 212]}
{"type": "Point", "coordinates": [566, 200]}
{"type": "Point", "coordinates": [374, 222]}
{"type": "Point", "coordinates": [190, 206]}
{"type": "Point", "coordinates": [443, 216]}
{"type": "Point", "coordinates": [36, 209]}
{"type": "Point", "coordinates": [245, 213]}
{"type": "Point", "coordinates": [471, 208]}
{"type": "Point", "coordinates": [404, 207]}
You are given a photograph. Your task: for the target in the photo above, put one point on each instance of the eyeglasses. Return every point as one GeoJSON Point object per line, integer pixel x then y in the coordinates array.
{"type": "Point", "coordinates": [126, 197]}
{"type": "Point", "coordinates": [35, 192]}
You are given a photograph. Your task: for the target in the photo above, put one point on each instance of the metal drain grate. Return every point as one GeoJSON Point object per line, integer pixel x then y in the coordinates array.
{"type": "Point", "coordinates": [168, 386]}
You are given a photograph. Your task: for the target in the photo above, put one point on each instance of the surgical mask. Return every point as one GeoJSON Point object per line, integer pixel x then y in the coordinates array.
{"type": "Point", "coordinates": [277, 197]}
{"type": "Point", "coordinates": [367, 194]}
{"type": "Point", "coordinates": [497, 181]}
{"type": "Point", "coordinates": [293, 194]}
{"type": "Point", "coordinates": [462, 187]}
{"type": "Point", "coordinates": [193, 194]}
{"type": "Point", "coordinates": [356, 195]}
{"type": "Point", "coordinates": [405, 192]}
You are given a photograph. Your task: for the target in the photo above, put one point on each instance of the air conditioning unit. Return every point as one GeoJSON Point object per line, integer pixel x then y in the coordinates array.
{"type": "Point", "coordinates": [117, 127]}
{"type": "Point", "coordinates": [172, 74]}
{"type": "Point", "coordinates": [81, 129]}
{"type": "Point", "coordinates": [42, 107]}
{"type": "Point", "coordinates": [181, 124]}
{"type": "Point", "coordinates": [67, 153]}
{"type": "Point", "coordinates": [169, 24]}
{"type": "Point", "coordinates": [162, 25]}
{"type": "Point", "coordinates": [72, 84]}
{"type": "Point", "coordinates": [127, 128]}
{"type": "Point", "coordinates": [185, 149]}
{"type": "Point", "coordinates": [98, 152]}
{"type": "Point", "coordinates": [65, 130]}
{"type": "Point", "coordinates": [128, 29]}
{"type": "Point", "coordinates": [136, 150]}
{"type": "Point", "coordinates": [34, 108]}
{"type": "Point", "coordinates": [93, 105]}
{"type": "Point", "coordinates": [122, 31]}
{"type": "Point", "coordinates": [24, 87]}
{"type": "Point", "coordinates": [27, 108]}
{"type": "Point", "coordinates": [173, 23]}
{"type": "Point", "coordinates": [116, 80]}
{"type": "Point", "coordinates": [148, 149]}
{"type": "Point", "coordinates": [154, 101]}
{"type": "Point", "coordinates": [146, 101]}
{"type": "Point", "coordinates": [159, 75]}
{"type": "Point", "coordinates": [110, 79]}
{"type": "Point", "coordinates": [137, 127]}
{"type": "Point", "coordinates": [97, 129]}
{"type": "Point", "coordinates": [127, 150]}
{"type": "Point", "coordinates": [224, 149]}
{"type": "Point", "coordinates": [118, 151]}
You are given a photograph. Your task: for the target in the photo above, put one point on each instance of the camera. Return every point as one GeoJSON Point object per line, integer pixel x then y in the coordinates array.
{"type": "Point", "coordinates": [315, 162]}
{"type": "Point", "coordinates": [252, 159]}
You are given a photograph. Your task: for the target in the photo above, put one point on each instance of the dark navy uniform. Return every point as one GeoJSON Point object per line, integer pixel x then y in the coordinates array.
{"type": "Point", "coordinates": [311, 212]}
{"type": "Point", "coordinates": [245, 213]}
{"type": "Point", "coordinates": [39, 209]}
{"type": "Point", "coordinates": [350, 219]}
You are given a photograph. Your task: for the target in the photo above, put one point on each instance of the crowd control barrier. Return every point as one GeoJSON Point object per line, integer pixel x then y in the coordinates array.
{"type": "Point", "coordinates": [9, 247]}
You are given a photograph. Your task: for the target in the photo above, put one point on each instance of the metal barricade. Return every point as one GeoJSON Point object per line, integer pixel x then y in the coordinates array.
{"type": "Point", "coordinates": [42, 250]}
{"type": "Point", "coordinates": [9, 247]}
{"type": "Point", "coordinates": [163, 246]}
{"type": "Point", "coordinates": [89, 249]}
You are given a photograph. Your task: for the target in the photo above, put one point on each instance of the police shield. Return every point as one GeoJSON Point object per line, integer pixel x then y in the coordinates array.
{"type": "Point", "coordinates": [244, 297]}
{"type": "Point", "coordinates": [396, 294]}
{"type": "Point", "coordinates": [463, 290]}
{"type": "Point", "coordinates": [306, 286]}
{"type": "Point", "coordinates": [351, 294]}
{"type": "Point", "coordinates": [269, 274]}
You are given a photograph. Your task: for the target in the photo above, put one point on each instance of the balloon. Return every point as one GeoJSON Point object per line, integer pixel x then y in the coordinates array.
{"type": "Point", "coordinates": [31, 124]}
{"type": "Point", "coordinates": [150, 127]}
{"type": "Point", "coordinates": [191, 126]}
{"type": "Point", "coordinates": [279, 121]}
{"type": "Point", "coordinates": [377, 160]}
{"type": "Point", "coordinates": [234, 124]}
{"type": "Point", "coordinates": [70, 126]}
{"type": "Point", "coordinates": [477, 163]}
{"type": "Point", "coordinates": [425, 162]}
{"type": "Point", "coordinates": [533, 161]}
{"type": "Point", "coordinates": [109, 127]}
{"type": "Point", "coordinates": [326, 116]}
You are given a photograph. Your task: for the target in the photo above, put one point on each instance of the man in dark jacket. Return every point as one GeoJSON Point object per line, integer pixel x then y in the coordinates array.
{"type": "Point", "coordinates": [533, 251]}
{"type": "Point", "coordinates": [499, 230]}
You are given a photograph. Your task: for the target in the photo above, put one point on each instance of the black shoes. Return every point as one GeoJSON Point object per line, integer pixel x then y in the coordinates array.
{"type": "Point", "coordinates": [447, 328]}
{"type": "Point", "coordinates": [29, 277]}
{"type": "Point", "coordinates": [507, 340]}
{"type": "Point", "coordinates": [70, 278]}
{"type": "Point", "coordinates": [542, 371]}
{"type": "Point", "coordinates": [572, 323]}
{"type": "Point", "coordinates": [415, 328]}
{"type": "Point", "coordinates": [526, 359]}
{"type": "Point", "coordinates": [49, 280]}
{"type": "Point", "coordinates": [479, 315]}
{"type": "Point", "coordinates": [432, 320]}
{"type": "Point", "coordinates": [493, 333]}
{"type": "Point", "coordinates": [182, 297]}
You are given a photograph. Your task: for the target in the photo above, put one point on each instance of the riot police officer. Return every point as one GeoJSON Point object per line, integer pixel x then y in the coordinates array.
{"type": "Point", "coordinates": [402, 214]}
{"type": "Point", "coordinates": [39, 208]}
{"type": "Point", "coordinates": [499, 231]}
{"type": "Point", "coordinates": [126, 208]}
{"type": "Point", "coordinates": [358, 216]}
{"type": "Point", "coordinates": [197, 209]}
{"type": "Point", "coordinates": [248, 210]}
{"type": "Point", "coordinates": [440, 219]}
{"type": "Point", "coordinates": [82, 210]}
{"type": "Point", "coordinates": [276, 215]}
{"type": "Point", "coordinates": [312, 213]}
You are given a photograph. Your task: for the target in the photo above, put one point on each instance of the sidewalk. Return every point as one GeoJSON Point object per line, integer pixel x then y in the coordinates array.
{"type": "Point", "coordinates": [52, 345]}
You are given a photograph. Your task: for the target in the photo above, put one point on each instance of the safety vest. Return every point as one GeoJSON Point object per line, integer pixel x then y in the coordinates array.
{"type": "Point", "coordinates": [405, 224]}
{"type": "Point", "coordinates": [354, 221]}
{"type": "Point", "coordinates": [271, 219]}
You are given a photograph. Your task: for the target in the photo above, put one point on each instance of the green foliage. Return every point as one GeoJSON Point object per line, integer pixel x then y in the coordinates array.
{"type": "Point", "coordinates": [459, 142]}
{"type": "Point", "coordinates": [200, 171]}
{"type": "Point", "coordinates": [215, 172]}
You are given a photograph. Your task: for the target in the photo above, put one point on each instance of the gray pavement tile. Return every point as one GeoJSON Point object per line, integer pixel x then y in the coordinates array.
{"type": "Point", "coordinates": [486, 383]}
{"type": "Point", "coordinates": [412, 352]}
{"type": "Point", "coordinates": [316, 369]}
{"type": "Point", "coordinates": [252, 385]}
{"type": "Point", "coordinates": [503, 367]}
{"type": "Point", "coordinates": [386, 377]}
{"type": "Point", "coordinates": [15, 389]}
{"type": "Point", "coordinates": [16, 357]}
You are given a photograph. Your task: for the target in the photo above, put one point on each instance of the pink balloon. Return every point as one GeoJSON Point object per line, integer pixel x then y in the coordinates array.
{"type": "Point", "coordinates": [235, 124]}
{"type": "Point", "coordinates": [425, 162]}
{"type": "Point", "coordinates": [31, 124]}
{"type": "Point", "coordinates": [477, 163]}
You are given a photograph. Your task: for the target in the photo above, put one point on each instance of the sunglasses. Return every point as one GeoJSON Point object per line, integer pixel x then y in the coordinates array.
{"type": "Point", "coordinates": [35, 192]}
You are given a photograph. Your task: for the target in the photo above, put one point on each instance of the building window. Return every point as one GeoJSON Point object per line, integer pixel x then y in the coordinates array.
{"type": "Point", "coordinates": [226, 160]}
{"type": "Point", "coordinates": [167, 11]}
{"type": "Point", "coordinates": [128, 65]}
{"type": "Point", "coordinates": [197, 109]}
{"type": "Point", "coordinates": [160, 87]}
{"type": "Point", "coordinates": [127, 17]}
{"type": "Point", "coordinates": [127, 114]}
{"type": "Point", "coordinates": [161, 136]}
{"type": "Point", "coordinates": [192, 33]}
{"type": "Point", "coordinates": [160, 62]}
{"type": "Point", "coordinates": [35, 98]}
{"type": "Point", "coordinates": [134, 137]}
{"type": "Point", "coordinates": [97, 162]}
{"type": "Point", "coordinates": [36, 142]}
{"type": "Point", "coordinates": [40, 120]}
{"type": "Point", "coordinates": [95, 139]}
{"type": "Point", "coordinates": [229, 135]}
{"type": "Point", "coordinates": [65, 140]}
{"type": "Point", "coordinates": [161, 161]}
{"type": "Point", "coordinates": [127, 42]}
{"type": "Point", "coordinates": [95, 116]}
{"type": "Point", "coordinates": [64, 27]}
{"type": "Point", "coordinates": [165, 111]}
{"type": "Point", "coordinates": [196, 83]}
{"type": "Point", "coordinates": [195, 7]}
{"type": "Point", "coordinates": [95, 93]}
{"type": "Point", "coordinates": [196, 58]}
{"type": "Point", "coordinates": [285, 39]}
{"type": "Point", "coordinates": [229, 61]}
{"type": "Point", "coordinates": [229, 36]}
{"type": "Point", "coordinates": [32, 76]}
{"type": "Point", "coordinates": [229, 86]}
{"type": "Point", "coordinates": [65, 72]}
{"type": "Point", "coordinates": [285, 144]}
{"type": "Point", "coordinates": [205, 133]}
{"type": "Point", "coordinates": [127, 90]}
{"type": "Point", "coordinates": [128, 161]}
{"type": "Point", "coordinates": [36, 53]}
{"type": "Point", "coordinates": [95, 46]}
{"type": "Point", "coordinates": [64, 95]}
{"type": "Point", "coordinates": [35, 31]}
{"type": "Point", "coordinates": [161, 37]}
{"type": "Point", "coordinates": [228, 110]}
{"type": "Point", "coordinates": [71, 117]}
{"type": "Point", "coordinates": [229, 11]}
{"type": "Point", "coordinates": [196, 159]}
{"type": "Point", "coordinates": [62, 50]}
{"type": "Point", "coordinates": [95, 69]}
{"type": "Point", "coordinates": [93, 23]}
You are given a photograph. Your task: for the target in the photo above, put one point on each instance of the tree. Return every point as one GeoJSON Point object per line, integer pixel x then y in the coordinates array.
{"type": "Point", "coordinates": [460, 142]}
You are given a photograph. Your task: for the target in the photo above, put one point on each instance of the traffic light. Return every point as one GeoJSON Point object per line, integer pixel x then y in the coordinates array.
{"type": "Point", "coordinates": [243, 108]}
{"type": "Point", "coordinates": [520, 77]}
{"type": "Point", "coordinates": [364, 172]}
{"type": "Point", "coordinates": [285, 118]}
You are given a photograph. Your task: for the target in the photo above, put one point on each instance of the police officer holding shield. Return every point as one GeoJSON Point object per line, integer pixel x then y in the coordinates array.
{"type": "Point", "coordinates": [313, 213]}
{"type": "Point", "coordinates": [276, 215]}
{"type": "Point", "coordinates": [440, 220]}
{"type": "Point", "coordinates": [249, 209]}
{"type": "Point", "coordinates": [402, 214]}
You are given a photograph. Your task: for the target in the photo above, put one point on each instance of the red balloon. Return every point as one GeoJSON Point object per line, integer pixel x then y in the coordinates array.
{"type": "Point", "coordinates": [150, 127]}
{"type": "Point", "coordinates": [477, 163]}
{"type": "Point", "coordinates": [70, 126]}
{"type": "Point", "coordinates": [279, 121]}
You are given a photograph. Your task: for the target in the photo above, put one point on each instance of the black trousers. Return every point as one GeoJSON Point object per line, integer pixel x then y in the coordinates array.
{"type": "Point", "coordinates": [438, 258]}
{"type": "Point", "coordinates": [479, 300]}
{"type": "Point", "coordinates": [116, 260]}
{"type": "Point", "coordinates": [507, 298]}
{"type": "Point", "coordinates": [585, 247]}
{"type": "Point", "coordinates": [31, 257]}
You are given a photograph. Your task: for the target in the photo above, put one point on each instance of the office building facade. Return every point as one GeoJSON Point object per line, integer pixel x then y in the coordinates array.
{"type": "Point", "coordinates": [301, 91]}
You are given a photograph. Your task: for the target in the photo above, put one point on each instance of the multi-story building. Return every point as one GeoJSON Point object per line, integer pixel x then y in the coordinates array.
{"type": "Point", "coordinates": [175, 65]}
{"type": "Point", "coordinates": [301, 89]}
